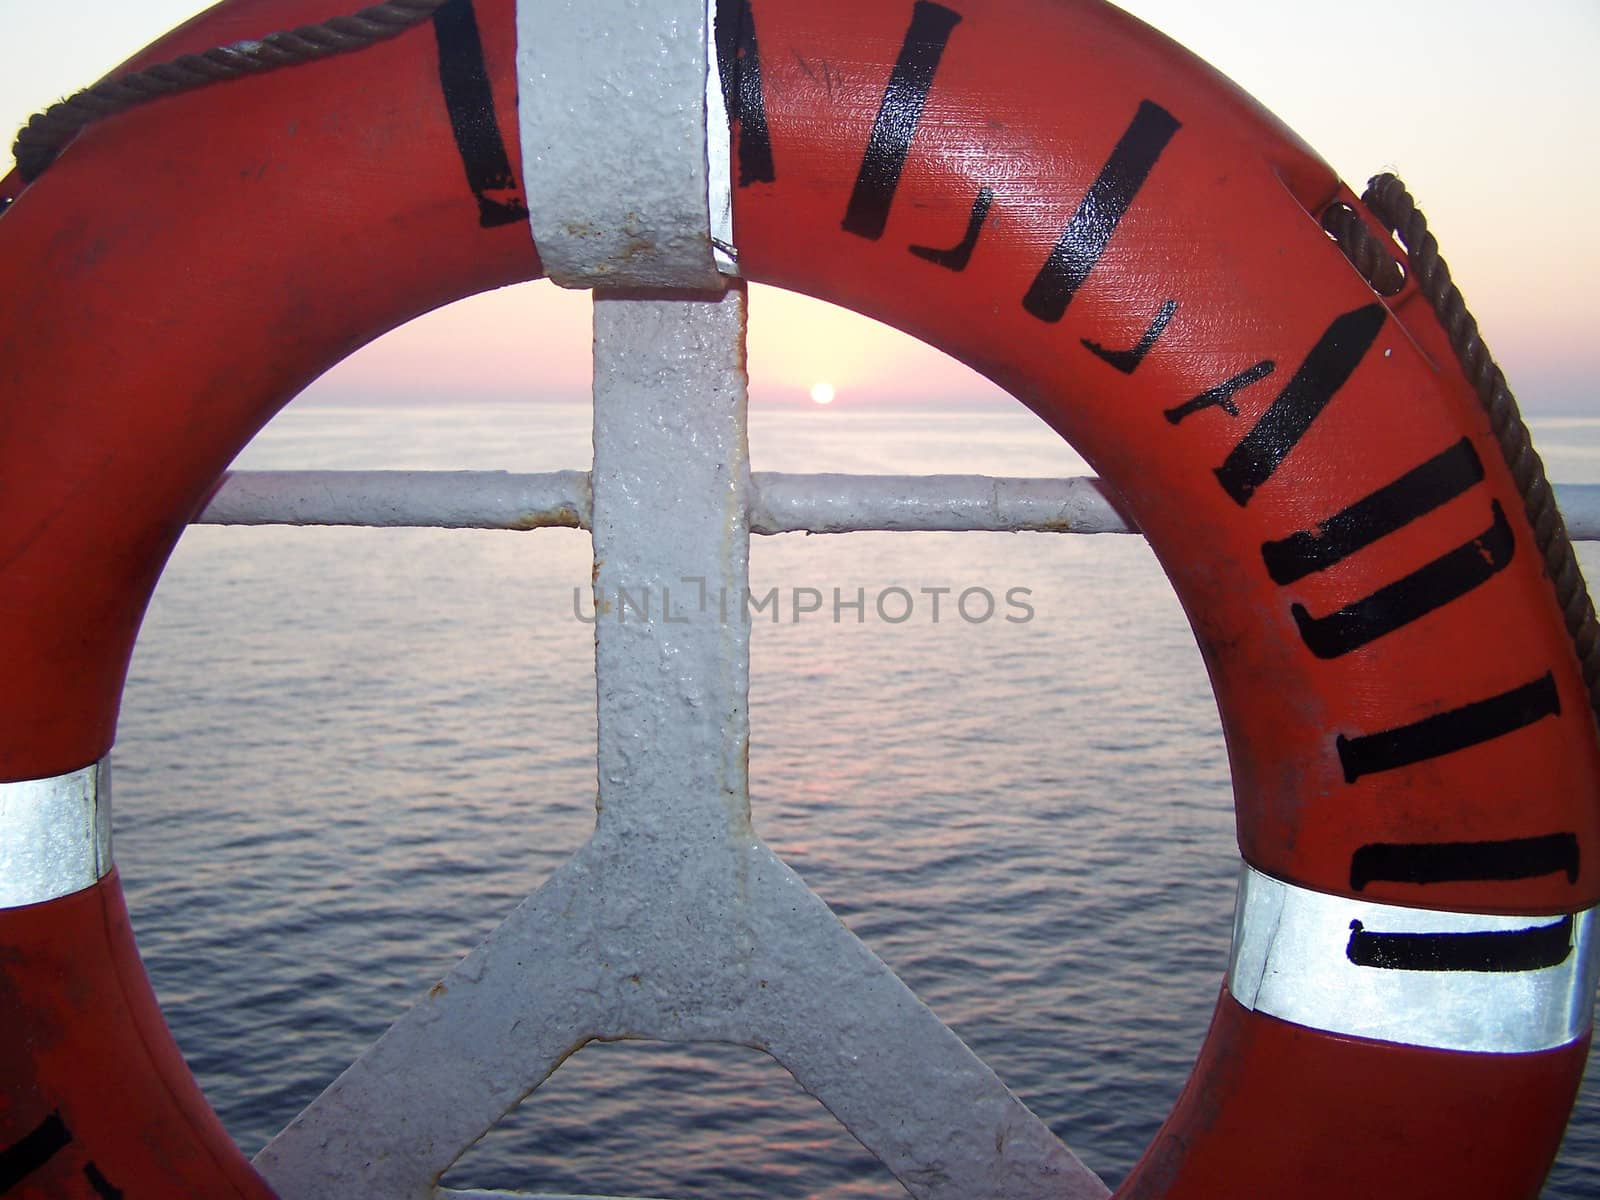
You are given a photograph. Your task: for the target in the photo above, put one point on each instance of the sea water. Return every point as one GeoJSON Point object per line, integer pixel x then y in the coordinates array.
{"type": "Point", "coordinates": [345, 754]}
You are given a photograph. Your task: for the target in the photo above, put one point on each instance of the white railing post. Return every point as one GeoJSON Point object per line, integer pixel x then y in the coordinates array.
{"type": "Point", "coordinates": [674, 922]}
{"type": "Point", "coordinates": [671, 549]}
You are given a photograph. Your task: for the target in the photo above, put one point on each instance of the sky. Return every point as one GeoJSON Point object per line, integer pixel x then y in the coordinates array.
{"type": "Point", "coordinates": [1489, 115]}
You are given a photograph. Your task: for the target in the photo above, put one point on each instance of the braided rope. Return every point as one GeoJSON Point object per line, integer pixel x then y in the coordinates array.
{"type": "Point", "coordinates": [47, 133]}
{"type": "Point", "coordinates": [1365, 251]}
{"type": "Point", "coordinates": [1388, 200]}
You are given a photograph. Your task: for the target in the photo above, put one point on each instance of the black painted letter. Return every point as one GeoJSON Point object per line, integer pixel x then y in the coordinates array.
{"type": "Point", "coordinates": [898, 114]}
{"type": "Point", "coordinates": [1392, 507]}
{"type": "Point", "coordinates": [1465, 862]}
{"type": "Point", "coordinates": [739, 63]}
{"type": "Point", "coordinates": [102, 1186]}
{"type": "Point", "coordinates": [1507, 950]}
{"type": "Point", "coordinates": [1442, 581]}
{"type": "Point", "coordinates": [958, 256]}
{"type": "Point", "coordinates": [25, 1156]}
{"type": "Point", "coordinates": [1127, 361]}
{"type": "Point", "coordinates": [1222, 395]}
{"type": "Point", "coordinates": [470, 102]}
{"type": "Point", "coordinates": [1446, 732]}
{"type": "Point", "coordinates": [1326, 369]}
{"type": "Point", "coordinates": [1107, 202]}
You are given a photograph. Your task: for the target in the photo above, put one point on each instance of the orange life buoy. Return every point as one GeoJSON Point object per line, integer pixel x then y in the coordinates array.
{"type": "Point", "coordinates": [1064, 200]}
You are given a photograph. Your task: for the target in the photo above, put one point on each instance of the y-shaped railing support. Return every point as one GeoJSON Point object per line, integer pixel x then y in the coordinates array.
{"type": "Point", "coordinates": [674, 922]}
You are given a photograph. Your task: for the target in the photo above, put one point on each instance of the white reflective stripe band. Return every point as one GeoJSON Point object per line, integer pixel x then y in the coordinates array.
{"type": "Point", "coordinates": [612, 110]}
{"type": "Point", "coordinates": [55, 835]}
{"type": "Point", "coordinates": [1452, 981]}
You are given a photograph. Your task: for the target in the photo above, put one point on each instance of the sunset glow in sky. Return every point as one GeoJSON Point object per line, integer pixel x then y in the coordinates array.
{"type": "Point", "coordinates": [1491, 126]}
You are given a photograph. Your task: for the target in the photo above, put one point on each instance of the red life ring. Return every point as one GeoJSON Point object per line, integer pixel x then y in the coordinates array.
{"type": "Point", "coordinates": [1078, 209]}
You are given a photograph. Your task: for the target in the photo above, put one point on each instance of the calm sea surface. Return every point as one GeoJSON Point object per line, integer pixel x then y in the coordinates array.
{"type": "Point", "coordinates": [345, 754]}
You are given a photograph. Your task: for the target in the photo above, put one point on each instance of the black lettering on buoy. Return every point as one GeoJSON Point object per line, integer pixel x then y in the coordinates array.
{"type": "Point", "coordinates": [898, 115]}
{"type": "Point", "coordinates": [1446, 732]}
{"type": "Point", "coordinates": [1466, 862]}
{"type": "Point", "coordinates": [1445, 579]}
{"type": "Point", "coordinates": [25, 1156]}
{"type": "Point", "coordinates": [1127, 361]}
{"type": "Point", "coordinates": [1222, 395]}
{"type": "Point", "coordinates": [1109, 197]}
{"type": "Point", "coordinates": [469, 99]}
{"type": "Point", "coordinates": [1390, 508]}
{"type": "Point", "coordinates": [1497, 951]}
{"type": "Point", "coordinates": [739, 64]}
{"type": "Point", "coordinates": [101, 1185]}
{"type": "Point", "coordinates": [1326, 369]}
{"type": "Point", "coordinates": [958, 256]}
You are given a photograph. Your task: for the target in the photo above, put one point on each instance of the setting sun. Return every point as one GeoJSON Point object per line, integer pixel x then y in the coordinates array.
{"type": "Point", "coordinates": [822, 393]}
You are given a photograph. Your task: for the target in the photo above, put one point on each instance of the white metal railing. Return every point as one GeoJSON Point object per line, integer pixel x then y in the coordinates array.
{"type": "Point", "coordinates": [778, 502]}
{"type": "Point", "coordinates": [674, 921]}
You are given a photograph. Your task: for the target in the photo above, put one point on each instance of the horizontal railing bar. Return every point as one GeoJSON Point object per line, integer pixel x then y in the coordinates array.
{"type": "Point", "coordinates": [781, 503]}
{"type": "Point", "coordinates": [860, 503]}
{"type": "Point", "coordinates": [402, 499]}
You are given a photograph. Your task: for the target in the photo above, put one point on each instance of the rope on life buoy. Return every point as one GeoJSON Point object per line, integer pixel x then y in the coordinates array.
{"type": "Point", "coordinates": [1388, 199]}
{"type": "Point", "coordinates": [47, 133]}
